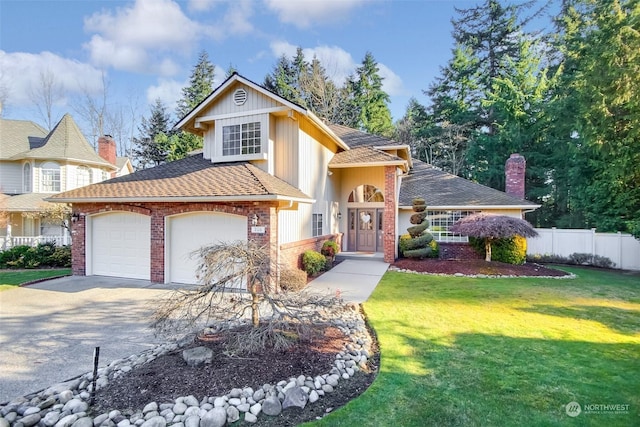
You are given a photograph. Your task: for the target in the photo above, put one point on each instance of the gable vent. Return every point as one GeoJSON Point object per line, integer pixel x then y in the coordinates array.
{"type": "Point", "coordinates": [240, 96]}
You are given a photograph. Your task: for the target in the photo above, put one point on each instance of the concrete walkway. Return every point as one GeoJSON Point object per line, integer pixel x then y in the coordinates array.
{"type": "Point", "coordinates": [354, 279]}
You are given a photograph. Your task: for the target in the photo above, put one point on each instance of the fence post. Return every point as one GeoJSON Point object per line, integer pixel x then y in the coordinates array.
{"type": "Point", "coordinates": [553, 240]}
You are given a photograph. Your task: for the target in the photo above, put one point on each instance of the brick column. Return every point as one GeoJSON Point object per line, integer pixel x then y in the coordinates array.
{"type": "Point", "coordinates": [157, 246]}
{"type": "Point", "coordinates": [78, 245]}
{"type": "Point", "coordinates": [390, 210]}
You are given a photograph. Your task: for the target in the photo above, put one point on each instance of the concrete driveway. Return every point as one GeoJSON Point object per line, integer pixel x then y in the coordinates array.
{"type": "Point", "coordinates": [48, 331]}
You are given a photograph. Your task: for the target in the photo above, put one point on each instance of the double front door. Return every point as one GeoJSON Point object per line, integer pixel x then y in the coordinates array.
{"type": "Point", "coordinates": [365, 229]}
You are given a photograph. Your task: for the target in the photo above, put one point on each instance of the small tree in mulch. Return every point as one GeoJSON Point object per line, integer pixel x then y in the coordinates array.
{"type": "Point", "coordinates": [237, 292]}
{"type": "Point", "coordinates": [418, 245]}
{"type": "Point", "coordinates": [492, 227]}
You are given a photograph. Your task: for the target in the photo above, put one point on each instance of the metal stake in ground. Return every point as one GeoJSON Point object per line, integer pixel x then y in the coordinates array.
{"type": "Point", "coordinates": [96, 357]}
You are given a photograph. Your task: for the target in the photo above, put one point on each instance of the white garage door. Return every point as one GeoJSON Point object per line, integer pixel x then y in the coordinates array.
{"type": "Point", "coordinates": [120, 245]}
{"type": "Point", "coordinates": [188, 233]}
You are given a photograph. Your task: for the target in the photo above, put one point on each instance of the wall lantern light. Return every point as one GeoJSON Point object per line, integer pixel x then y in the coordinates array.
{"type": "Point", "coordinates": [339, 216]}
{"type": "Point", "coordinates": [254, 219]}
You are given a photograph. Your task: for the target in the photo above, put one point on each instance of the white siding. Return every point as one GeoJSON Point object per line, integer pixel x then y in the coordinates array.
{"type": "Point", "coordinates": [10, 178]}
{"type": "Point", "coordinates": [225, 104]}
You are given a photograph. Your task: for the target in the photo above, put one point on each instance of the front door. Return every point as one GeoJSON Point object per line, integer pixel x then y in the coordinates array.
{"type": "Point", "coordinates": [367, 235]}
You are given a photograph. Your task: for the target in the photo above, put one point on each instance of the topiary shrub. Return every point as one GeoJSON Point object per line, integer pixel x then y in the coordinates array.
{"type": "Point", "coordinates": [406, 243]}
{"type": "Point", "coordinates": [313, 262]}
{"type": "Point", "coordinates": [511, 251]}
{"type": "Point", "coordinates": [417, 245]}
{"type": "Point", "coordinates": [292, 280]}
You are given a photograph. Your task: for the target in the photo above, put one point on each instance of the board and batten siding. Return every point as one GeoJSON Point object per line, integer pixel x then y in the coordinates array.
{"type": "Point", "coordinates": [255, 101]}
{"type": "Point", "coordinates": [311, 169]}
{"type": "Point", "coordinates": [285, 149]}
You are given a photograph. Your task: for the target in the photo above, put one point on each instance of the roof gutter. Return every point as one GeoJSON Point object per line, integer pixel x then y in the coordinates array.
{"type": "Point", "coordinates": [180, 199]}
{"type": "Point", "coordinates": [526, 208]}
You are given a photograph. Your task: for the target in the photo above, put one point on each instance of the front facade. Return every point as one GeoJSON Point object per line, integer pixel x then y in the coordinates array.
{"type": "Point", "coordinates": [35, 164]}
{"type": "Point", "coordinates": [269, 171]}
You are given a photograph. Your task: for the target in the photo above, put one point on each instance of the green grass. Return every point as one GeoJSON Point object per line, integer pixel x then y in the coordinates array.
{"type": "Point", "coordinates": [12, 278]}
{"type": "Point", "coordinates": [501, 352]}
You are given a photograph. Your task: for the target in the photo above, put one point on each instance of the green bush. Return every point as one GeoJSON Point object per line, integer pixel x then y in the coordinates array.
{"type": "Point", "coordinates": [407, 243]}
{"type": "Point", "coordinates": [313, 262]}
{"type": "Point", "coordinates": [510, 251]}
{"type": "Point", "coordinates": [292, 280]}
{"type": "Point", "coordinates": [43, 255]}
{"type": "Point", "coordinates": [330, 249]}
{"type": "Point", "coordinates": [574, 258]}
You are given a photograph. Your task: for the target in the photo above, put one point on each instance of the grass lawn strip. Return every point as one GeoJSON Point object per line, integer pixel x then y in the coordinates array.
{"type": "Point", "coordinates": [465, 351]}
{"type": "Point", "coordinates": [12, 278]}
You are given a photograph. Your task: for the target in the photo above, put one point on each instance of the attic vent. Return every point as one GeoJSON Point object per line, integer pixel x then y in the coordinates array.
{"type": "Point", "coordinates": [240, 96]}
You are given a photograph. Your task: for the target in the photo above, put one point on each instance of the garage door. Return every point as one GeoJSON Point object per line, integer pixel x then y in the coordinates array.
{"type": "Point", "coordinates": [120, 245]}
{"type": "Point", "coordinates": [188, 233]}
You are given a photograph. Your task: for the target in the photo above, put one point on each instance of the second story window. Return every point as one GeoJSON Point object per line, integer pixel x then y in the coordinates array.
{"type": "Point", "coordinates": [26, 178]}
{"type": "Point", "coordinates": [241, 139]}
{"type": "Point", "coordinates": [50, 181]}
{"type": "Point", "coordinates": [83, 176]}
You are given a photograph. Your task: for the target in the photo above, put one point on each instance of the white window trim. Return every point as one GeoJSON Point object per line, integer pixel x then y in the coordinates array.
{"type": "Point", "coordinates": [263, 119]}
{"type": "Point", "coordinates": [44, 169]}
{"type": "Point", "coordinates": [444, 236]}
{"type": "Point", "coordinates": [27, 187]}
{"type": "Point", "coordinates": [314, 224]}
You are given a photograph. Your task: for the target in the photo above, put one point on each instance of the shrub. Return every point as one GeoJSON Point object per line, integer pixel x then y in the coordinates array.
{"type": "Point", "coordinates": [313, 262]}
{"type": "Point", "coordinates": [407, 243]}
{"type": "Point", "coordinates": [574, 258]}
{"type": "Point", "coordinates": [292, 280]}
{"type": "Point", "coordinates": [330, 248]}
{"type": "Point", "coordinates": [511, 250]}
{"type": "Point", "coordinates": [43, 255]}
{"type": "Point", "coordinates": [580, 258]}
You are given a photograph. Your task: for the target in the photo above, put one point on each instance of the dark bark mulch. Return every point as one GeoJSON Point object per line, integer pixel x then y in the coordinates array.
{"type": "Point", "coordinates": [476, 266]}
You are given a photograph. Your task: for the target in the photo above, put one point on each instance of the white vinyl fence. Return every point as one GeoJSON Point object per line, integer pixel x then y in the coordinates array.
{"type": "Point", "coordinates": [622, 249]}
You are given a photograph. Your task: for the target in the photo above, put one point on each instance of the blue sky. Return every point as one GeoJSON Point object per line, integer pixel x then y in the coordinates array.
{"type": "Point", "coordinates": [146, 49]}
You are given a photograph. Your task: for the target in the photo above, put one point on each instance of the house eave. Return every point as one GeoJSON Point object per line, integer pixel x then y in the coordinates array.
{"type": "Point", "coordinates": [181, 199]}
{"type": "Point", "coordinates": [475, 207]}
{"type": "Point", "coordinates": [367, 164]}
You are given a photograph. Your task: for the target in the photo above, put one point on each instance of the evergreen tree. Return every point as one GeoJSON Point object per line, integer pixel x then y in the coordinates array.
{"type": "Point", "coordinates": [200, 86]}
{"type": "Point", "coordinates": [372, 100]}
{"type": "Point", "coordinates": [148, 150]}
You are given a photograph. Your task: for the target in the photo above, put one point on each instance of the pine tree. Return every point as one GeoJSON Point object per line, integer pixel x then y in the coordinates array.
{"type": "Point", "coordinates": [148, 150]}
{"type": "Point", "coordinates": [372, 100]}
{"type": "Point", "coordinates": [200, 86]}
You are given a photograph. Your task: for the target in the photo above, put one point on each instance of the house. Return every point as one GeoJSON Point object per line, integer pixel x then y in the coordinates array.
{"type": "Point", "coordinates": [35, 164]}
{"type": "Point", "coordinates": [269, 171]}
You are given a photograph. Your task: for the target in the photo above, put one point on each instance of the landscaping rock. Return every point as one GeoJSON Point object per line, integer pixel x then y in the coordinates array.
{"type": "Point", "coordinates": [272, 406]}
{"type": "Point", "coordinates": [295, 398]}
{"type": "Point", "coordinates": [217, 417]}
{"type": "Point", "coordinates": [197, 356]}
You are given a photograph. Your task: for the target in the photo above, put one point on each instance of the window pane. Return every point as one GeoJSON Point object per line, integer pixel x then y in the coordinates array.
{"type": "Point", "coordinates": [241, 139]}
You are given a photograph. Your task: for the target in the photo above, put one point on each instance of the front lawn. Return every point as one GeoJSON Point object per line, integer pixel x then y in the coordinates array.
{"type": "Point", "coordinates": [507, 352]}
{"type": "Point", "coordinates": [12, 278]}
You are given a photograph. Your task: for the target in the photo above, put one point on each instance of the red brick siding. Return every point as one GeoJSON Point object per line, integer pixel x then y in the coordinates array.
{"type": "Point", "coordinates": [514, 170]}
{"type": "Point", "coordinates": [389, 237]}
{"type": "Point", "coordinates": [291, 253]}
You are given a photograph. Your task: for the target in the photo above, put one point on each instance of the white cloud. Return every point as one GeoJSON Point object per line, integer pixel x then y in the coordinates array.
{"type": "Point", "coordinates": [201, 5]}
{"type": "Point", "coordinates": [392, 83]}
{"type": "Point", "coordinates": [168, 90]}
{"type": "Point", "coordinates": [23, 71]}
{"type": "Point", "coordinates": [305, 14]}
{"type": "Point", "coordinates": [138, 37]}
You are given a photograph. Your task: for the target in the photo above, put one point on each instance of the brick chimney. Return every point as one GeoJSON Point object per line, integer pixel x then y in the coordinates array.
{"type": "Point", "coordinates": [107, 148]}
{"type": "Point", "coordinates": [514, 170]}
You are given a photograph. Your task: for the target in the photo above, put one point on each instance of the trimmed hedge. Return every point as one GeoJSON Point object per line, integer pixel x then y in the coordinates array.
{"type": "Point", "coordinates": [313, 262]}
{"type": "Point", "coordinates": [407, 246]}
{"type": "Point", "coordinates": [510, 251]}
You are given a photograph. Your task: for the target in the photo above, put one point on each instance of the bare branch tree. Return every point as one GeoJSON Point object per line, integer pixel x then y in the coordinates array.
{"type": "Point", "coordinates": [238, 289]}
{"type": "Point", "coordinates": [93, 110]}
{"type": "Point", "coordinates": [44, 96]}
{"type": "Point", "coordinates": [492, 227]}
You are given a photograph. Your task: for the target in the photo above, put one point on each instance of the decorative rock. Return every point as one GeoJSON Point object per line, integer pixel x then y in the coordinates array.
{"type": "Point", "coordinates": [197, 356]}
{"type": "Point", "coordinates": [5, 423]}
{"type": "Point", "coordinates": [124, 423]}
{"type": "Point", "coordinates": [75, 406]}
{"type": "Point", "coordinates": [65, 396]}
{"type": "Point", "coordinates": [256, 409]}
{"type": "Point", "coordinates": [272, 406]}
{"type": "Point", "coordinates": [31, 420]}
{"type": "Point", "coordinates": [99, 419]}
{"type": "Point", "coordinates": [235, 392]}
{"type": "Point", "coordinates": [150, 407]}
{"type": "Point", "coordinates": [192, 421]}
{"type": "Point", "coordinates": [244, 407]}
{"type": "Point", "coordinates": [51, 418]}
{"type": "Point", "coordinates": [113, 414]}
{"type": "Point", "coordinates": [313, 396]}
{"type": "Point", "coordinates": [332, 380]}
{"type": "Point", "coordinates": [67, 421]}
{"type": "Point", "coordinates": [217, 417]}
{"type": "Point", "coordinates": [31, 410]}
{"type": "Point", "coordinates": [150, 415]}
{"type": "Point", "coordinates": [233, 414]}
{"type": "Point", "coordinates": [83, 422]}
{"type": "Point", "coordinates": [191, 401]}
{"type": "Point", "coordinates": [179, 408]}
{"type": "Point", "coordinates": [250, 418]}
{"type": "Point", "coordinates": [258, 395]}
{"type": "Point", "coordinates": [156, 421]}
{"type": "Point", "coordinates": [295, 397]}
{"type": "Point", "coordinates": [327, 388]}
{"type": "Point", "coordinates": [235, 401]}
{"type": "Point", "coordinates": [219, 402]}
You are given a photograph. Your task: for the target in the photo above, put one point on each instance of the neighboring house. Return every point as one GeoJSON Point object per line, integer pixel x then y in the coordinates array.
{"type": "Point", "coordinates": [270, 171]}
{"type": "Point", "coordinates": [35, 164]}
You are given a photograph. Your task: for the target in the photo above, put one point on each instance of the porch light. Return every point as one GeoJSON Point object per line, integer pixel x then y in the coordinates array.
{"type": "Point", "coordinates": [75, 217]}
{"type": "Point", "coordinates": [339, 216]}
{"type": "Point", "coordinates": [254, 219]}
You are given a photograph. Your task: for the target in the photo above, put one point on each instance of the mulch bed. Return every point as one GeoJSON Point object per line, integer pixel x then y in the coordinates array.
{"type": "Point", "coordinates": [475, 267]}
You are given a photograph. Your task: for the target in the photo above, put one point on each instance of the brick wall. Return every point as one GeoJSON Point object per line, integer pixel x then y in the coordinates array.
{"type": "Point", "coordinates": [291, 253]}
{"type": "Point", "coordinates": [458, 251]}
{"type": "Point", "coordinates": [514, 170]}
{"type": "Point", "coordinates": [389, 221]}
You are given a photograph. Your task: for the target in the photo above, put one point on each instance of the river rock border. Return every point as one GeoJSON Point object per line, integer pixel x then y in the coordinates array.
{"type": "Point", "coordinates": [482, 276]}
{"type": "Point", "coordinates": [67, 404]}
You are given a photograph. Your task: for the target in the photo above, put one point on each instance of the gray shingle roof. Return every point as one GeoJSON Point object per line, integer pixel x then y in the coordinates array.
{"type": "Point", "coordinates": [355, 138]}
{"type": "Point", "coordinates": [360, 155]}
{"type": "Point", "coordinates": [440, 188]}
{"type": "Point", "coordinates": [192, 177]}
